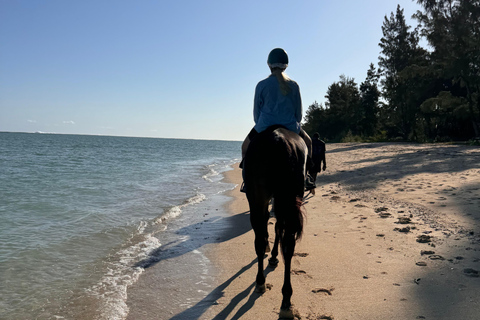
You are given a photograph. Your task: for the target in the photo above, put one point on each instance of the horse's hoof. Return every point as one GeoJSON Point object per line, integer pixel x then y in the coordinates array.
{"type": "Point", "coordinates": [273, 262]}
{"type": "Point", "coordinates": [260, 288]}
{"type": "Point", "coordinates": [286, 313]}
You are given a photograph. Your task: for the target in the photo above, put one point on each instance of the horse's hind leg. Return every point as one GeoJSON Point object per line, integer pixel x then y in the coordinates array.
{"type": "Point", "coordinates": [259, 225]}
{"type": "Point", "coordinates": [273, 261]}
{"type": "Point", "coordinates": [288, 247]}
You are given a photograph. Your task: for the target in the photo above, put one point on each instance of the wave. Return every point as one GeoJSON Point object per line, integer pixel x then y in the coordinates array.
{"type": "Point", "coordinates": [111, 290]}
{"type": "Point", "coordinates": [177, 210]}
{"type": "Point", "coordinates": [210, 174]}
{"type": "Point", "coordinates": [122, 272]}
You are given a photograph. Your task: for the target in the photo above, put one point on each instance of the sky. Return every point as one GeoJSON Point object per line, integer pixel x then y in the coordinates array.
{"type": "Point", "coordinates": [173, 69]}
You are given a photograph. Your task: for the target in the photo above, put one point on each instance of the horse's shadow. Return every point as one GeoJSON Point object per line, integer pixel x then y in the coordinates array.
{"type": "Point", "coordinates": [199, 309]}
{"type": "Point", "coordinates": [189, 238]}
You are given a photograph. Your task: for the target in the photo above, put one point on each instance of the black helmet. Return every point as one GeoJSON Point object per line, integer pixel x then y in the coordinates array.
{"type": "Point", "coordinates": [277, 57]}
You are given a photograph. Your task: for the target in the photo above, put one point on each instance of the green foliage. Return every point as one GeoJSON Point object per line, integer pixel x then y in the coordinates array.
{"type": "Point", "coordinates": [349, 137]}
{"type": "Point", "coordinates": [342, 107]}
{"type": "Point", "coordinates": [452, 28]}
{"type": "Point", "coordinates": [474, 142]}
{"type": "Point", "coordinates": [369, 104]}
{"type": "Point", "coordinates": [415, 94]}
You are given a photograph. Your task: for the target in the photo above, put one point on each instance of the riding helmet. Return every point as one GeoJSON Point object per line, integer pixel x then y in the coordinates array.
{"type": "Point", "coordinates": [277, 55]}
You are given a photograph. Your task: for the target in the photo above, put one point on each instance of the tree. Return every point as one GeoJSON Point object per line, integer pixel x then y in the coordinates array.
{"type": "Point", "coordinates": [400, 50]}
{"type": "Point", "coordinates": [369, 96]}
{"type": "Point", "coordinates": [445, 113]}
{"type": "Point", "coordinates": [315, 120]}
{"type": "Point", "coordinates": [452, 28]}
{"type": "Point", "coordinates": [342, 108]}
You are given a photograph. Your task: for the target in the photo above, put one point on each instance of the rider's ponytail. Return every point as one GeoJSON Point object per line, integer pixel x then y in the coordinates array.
{"type": "Point", "coordinates": [282, 79]}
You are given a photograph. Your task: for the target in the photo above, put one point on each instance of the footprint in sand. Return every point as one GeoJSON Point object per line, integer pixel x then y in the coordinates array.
{"type": "Point", "coordinates": [424, 239]}
{"type": "Point", "coordinates": [471, 272]}
{"type": "Point", "coordinates": [314, 316]}
{"type": "Point", "coordinates": [300, 254]}
{"type": "Point", "coordinates": [403, 230]}
{"type": "Point", "coordinates": [436, 257]}
{"type": "Point", "coordinates": [404, 220]}
{"type": "Point", "coordinates": [298, 272]}
{"type": "Point", "coordinates": [324, 290]}
{"type": "Point", "coordinates": [384, 215]}
{"type": "Point", "coordinates": [426, 252]}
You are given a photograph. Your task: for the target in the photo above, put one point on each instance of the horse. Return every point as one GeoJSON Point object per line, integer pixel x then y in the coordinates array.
{"type": "Point", "coordinates": [275, 167]}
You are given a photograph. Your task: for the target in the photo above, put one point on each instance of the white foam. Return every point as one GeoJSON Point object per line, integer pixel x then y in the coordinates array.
{"type": "Point", "coordinates": [210, 174]}
{"type": "Point", "coordinates": [111, 290]}
{"type": "Point", "coordinates": [175, 211]}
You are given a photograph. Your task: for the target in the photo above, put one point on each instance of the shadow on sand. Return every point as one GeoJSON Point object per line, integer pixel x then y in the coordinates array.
{"type": "Point", "coordinates": [197, 310]}
{"type": "Point", "coordinates": [390, 162]}
{"type": "Point", "coordinates": [192, 237]}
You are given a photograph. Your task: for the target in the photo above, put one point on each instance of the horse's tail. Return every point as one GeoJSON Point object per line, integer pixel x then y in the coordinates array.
{"type": "Point", "coordinates": [290, 215]}
{"type": "Point", "coordinates": [287, 176]}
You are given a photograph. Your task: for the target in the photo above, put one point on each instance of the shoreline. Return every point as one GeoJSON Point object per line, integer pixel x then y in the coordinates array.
{"type": "Point", "coordinates": [179, 275]}
{"type": "Point", "coordinates": [392, 233]}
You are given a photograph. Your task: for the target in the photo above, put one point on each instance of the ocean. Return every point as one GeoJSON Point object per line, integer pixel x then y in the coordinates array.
{"type": "Point", "coordinates": [79, 214]}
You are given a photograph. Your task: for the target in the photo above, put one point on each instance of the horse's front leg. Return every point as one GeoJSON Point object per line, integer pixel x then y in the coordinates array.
{"type": "Point", "coordinates": [259, 225]}
{"type": "Point", "coordinates": [288, 247]}
{"type": "Point", "coordinates": [273, 261]}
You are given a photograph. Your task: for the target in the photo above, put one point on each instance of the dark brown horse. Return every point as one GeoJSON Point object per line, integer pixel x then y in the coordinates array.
{"type": "Point", "coordinates": [275, 167]}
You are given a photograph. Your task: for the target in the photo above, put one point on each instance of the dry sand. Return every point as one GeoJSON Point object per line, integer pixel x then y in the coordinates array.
{"type": "Point", "coordinates": [358, 259]}
{"type": "Point", "coordinates": [360, 256]}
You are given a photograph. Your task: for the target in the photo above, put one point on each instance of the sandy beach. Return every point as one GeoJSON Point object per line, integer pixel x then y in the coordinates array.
{"type": "Point", "coordinates": [393, 232]}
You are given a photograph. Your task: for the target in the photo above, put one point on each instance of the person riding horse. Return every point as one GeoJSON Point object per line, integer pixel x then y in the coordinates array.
{"type": "Point", "coordinates": [274, 157]}
{"type": "Point", "coordinates": [277, 101]}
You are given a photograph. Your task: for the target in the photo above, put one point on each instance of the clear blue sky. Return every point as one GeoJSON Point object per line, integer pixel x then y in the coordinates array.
{"type": "Point", "coordinates": [172, 69]}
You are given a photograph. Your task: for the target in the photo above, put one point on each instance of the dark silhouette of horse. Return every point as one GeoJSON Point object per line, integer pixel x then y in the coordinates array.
{"type": "Point", "coordinates": [274, 166]}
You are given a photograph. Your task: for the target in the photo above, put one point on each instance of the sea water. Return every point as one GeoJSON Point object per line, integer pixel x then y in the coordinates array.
{"type": "Point", "coordinates": [77, 214]}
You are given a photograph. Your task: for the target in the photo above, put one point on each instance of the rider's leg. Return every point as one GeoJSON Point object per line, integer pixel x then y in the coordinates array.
{"type": "Point", "coordinates": [308, 141]}
{"type": "Point", "coordinates": [245, 144]}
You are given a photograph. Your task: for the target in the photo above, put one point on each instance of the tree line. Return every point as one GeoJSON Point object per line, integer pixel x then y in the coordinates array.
{"type": "Point", "coordinates": [414, 93]}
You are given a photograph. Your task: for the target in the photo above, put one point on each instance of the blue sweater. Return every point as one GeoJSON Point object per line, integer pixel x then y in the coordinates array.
{"type": "Point", "coordinates": [271, 107]}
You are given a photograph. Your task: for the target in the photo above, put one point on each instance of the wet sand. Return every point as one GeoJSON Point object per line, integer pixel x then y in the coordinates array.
{"type": "Point", "coordinates": [393, 232]}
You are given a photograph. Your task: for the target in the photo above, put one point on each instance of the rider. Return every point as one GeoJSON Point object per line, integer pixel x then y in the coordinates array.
{"type": "Point", "coordinates": [277, 101]}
